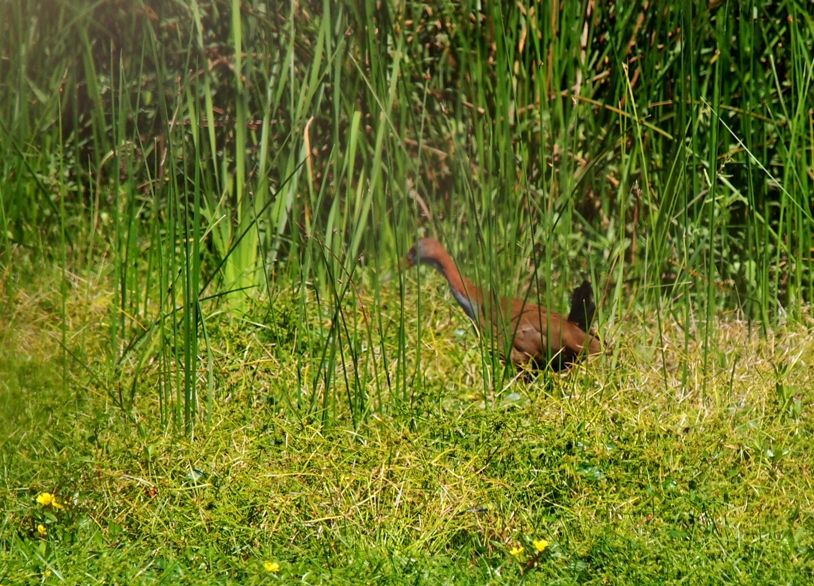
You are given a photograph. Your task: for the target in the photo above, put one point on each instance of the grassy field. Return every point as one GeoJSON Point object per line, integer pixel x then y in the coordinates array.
{"type": "Point", "coordinates": [621, 471]}
{"type": "Point", "coordinates": [212, 370]}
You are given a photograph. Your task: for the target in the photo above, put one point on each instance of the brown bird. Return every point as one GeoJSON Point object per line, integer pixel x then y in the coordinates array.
{"type": "Point", "coordinates": [539, 337]}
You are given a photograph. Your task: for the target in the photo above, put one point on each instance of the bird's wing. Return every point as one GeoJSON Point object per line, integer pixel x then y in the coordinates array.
{"type": "Point", "coordinates": [541, 334]}
{"type": "Point", "coordinates": [527, 343]}
{"type": "Point", "coordinates": [577, 341]}
{"type": "Point", "coordinates": [538, 334]}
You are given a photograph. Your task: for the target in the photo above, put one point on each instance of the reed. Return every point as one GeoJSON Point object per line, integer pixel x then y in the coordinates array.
{"type": "Point", "coordinates": [223, 150]}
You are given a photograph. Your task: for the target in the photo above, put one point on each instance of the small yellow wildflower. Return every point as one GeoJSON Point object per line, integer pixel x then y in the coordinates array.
{"type": "Point", "coordinates": [41, 531]}
{"type": "Point", "coordinates": [540, 545]}
{"type": "Point", "coordinates": [46, 499]}
{"type": "Point", "coordinates": [272, 567]}
{"type": "Point", "coordinates": [516, 551]}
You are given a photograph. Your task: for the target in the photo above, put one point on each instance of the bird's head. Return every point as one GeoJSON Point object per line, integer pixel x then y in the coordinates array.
{"type": "Point", "coordinates": [425, 250]}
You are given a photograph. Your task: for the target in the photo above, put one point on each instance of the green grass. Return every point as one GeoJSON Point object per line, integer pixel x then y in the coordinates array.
{"type": "Point", "coordinates": [630, 474]}
{"type": "Point", "coordinates": [202, 208]}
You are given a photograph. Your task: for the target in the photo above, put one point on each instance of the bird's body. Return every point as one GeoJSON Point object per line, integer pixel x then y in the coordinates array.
{"type": "Point", "coordinates": [539, 337]}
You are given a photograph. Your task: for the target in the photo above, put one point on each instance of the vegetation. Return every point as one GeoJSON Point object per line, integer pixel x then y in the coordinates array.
{"type": "Point", "coordinates": [213, 370]}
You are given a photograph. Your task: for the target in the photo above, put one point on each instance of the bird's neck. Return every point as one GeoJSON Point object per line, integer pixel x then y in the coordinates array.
{"type": "Point", "coordinates": [466, 294]}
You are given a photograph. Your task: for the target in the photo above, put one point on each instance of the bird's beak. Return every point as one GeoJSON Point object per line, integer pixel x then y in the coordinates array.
{"type": "Point", "coordinates": [408, 261]}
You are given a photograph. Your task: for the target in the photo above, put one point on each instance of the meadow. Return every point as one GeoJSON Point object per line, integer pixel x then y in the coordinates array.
{"type": "Point", "coordinates": [214, 370]}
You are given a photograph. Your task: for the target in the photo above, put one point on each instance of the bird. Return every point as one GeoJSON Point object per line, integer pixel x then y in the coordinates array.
{"type": "Point", "coordinates": [539, 338]}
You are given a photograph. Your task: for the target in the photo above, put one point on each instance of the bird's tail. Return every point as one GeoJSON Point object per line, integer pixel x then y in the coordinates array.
{"type": "Point", "coordinates": [582, 306]}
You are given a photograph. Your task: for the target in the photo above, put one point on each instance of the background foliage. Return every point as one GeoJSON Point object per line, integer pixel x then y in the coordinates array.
{"type": "Point", "coordinates": [209, 358]}
{"type": "Point", "coordinates": [213, 149]}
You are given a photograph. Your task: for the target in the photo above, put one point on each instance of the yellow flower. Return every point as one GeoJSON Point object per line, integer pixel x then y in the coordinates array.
{"type": "Point", "coordinates": [540, 545]}
{"type": "Point", "coordinates": [516, 551]}
{"type": "Point", "coordinates": [272, 567]}
{"type": "Point", "coordinates": [41, 530]}
{"type": "Point", "coordinates": [46, 499]}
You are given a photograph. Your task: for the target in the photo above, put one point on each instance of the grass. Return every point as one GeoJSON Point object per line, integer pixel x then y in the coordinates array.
{"type": "Point", "coordinates": [209, 356]}
{"type": "Point", "coordinates": [629, 473]}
